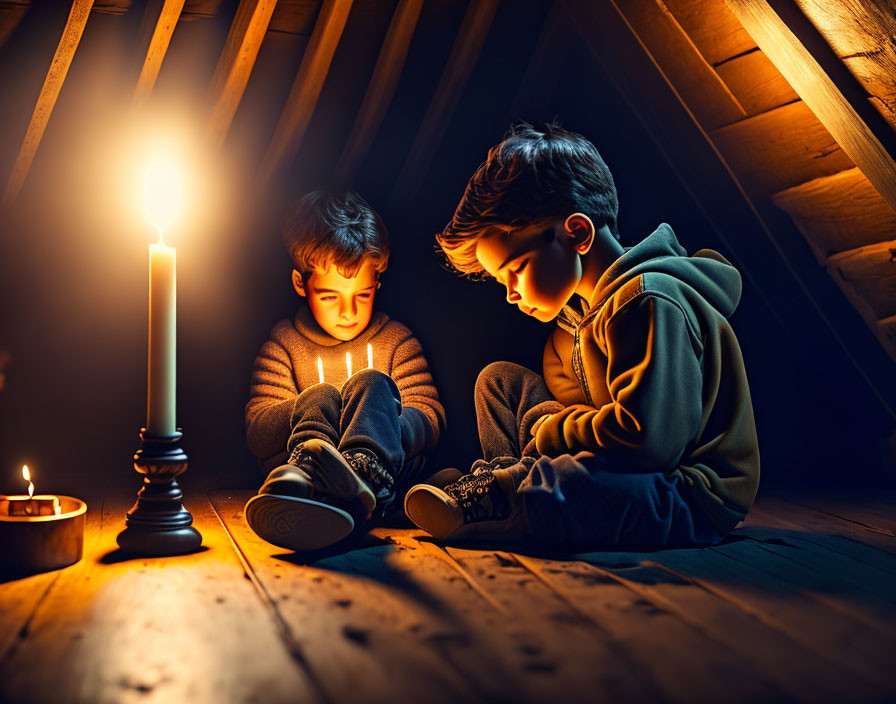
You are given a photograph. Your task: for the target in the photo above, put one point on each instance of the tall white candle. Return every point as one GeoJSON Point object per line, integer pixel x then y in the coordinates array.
{"type": "Point", "coordinates": [348, 363]}
{"type": "Point", "coordinates": [160, 402]}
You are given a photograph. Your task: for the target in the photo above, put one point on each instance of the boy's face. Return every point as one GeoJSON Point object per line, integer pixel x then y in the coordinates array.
{"type": "Point", "coordinates": [539, 265]}
{"type": "Point", "coordinates": [341, 306]}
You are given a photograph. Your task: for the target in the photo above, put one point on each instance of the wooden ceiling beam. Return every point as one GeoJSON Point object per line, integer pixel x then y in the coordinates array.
{"type": "Point", "coordinates": [464, 54]}
{"type": "Point", "coordinates": [307, 87]}
{"type": "Point", "coordinates": [848, 121]}
{"type": "Point", "coordinates": [158, 46]}
{"type": "Point", "coordinates": [236, 63]}
{"type": "Point", "coordinates": [62, 59]}
{"type": "Point", "coordinates": [381, 90]}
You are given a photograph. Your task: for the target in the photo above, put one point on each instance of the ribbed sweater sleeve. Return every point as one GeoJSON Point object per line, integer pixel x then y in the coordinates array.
{"type": "Point", "coordinates": [271, 401]}
{"type": "Point", "coordinates": [422, 417]}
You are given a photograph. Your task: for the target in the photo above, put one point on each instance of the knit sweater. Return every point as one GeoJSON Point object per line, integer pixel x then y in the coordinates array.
{"type": "Point", "coordinates": [287, 365]}
{"type": "Point", "coordinates": [652, 376]}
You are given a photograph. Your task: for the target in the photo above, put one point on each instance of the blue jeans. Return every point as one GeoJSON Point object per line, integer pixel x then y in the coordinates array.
{"type": "Point", "coordinates": [364, 413]}
{"type": "Point", "coordinates": [579, 500]}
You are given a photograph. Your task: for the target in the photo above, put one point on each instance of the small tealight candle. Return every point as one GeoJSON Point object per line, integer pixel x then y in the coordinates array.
{"type": "Point", "coordinates": [31, 505]}
{"type": "Point", "coordinates": [369, 356]}
{"type": "Point", "coordinates": [320, 370]}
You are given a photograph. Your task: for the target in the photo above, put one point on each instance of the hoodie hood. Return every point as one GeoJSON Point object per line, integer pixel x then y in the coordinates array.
{"type": "Point", "coordinates": [707, 271]}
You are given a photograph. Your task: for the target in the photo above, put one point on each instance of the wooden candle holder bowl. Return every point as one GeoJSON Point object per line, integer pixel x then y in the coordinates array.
{"type": "Point", "coordinates": [30, 544]}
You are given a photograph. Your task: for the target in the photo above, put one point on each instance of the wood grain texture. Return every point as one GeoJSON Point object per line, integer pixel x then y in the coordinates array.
{"type": "Point", "coordinates": [247, 32]}
{"type": "Point", "coordinates": [464, 54]}
{"type": "Point", "coordinates": [871, 272]}
{"type": "Point", "coordinates": [62, 59]}
{"type": "Point", "coordinates": [307, 86]}
{"type": "Point", "coordinates": [381, 89]}
{"type": "Point", "coordinates": [778, 664]}
{"type": "Point", "coordinates": [863, 34]}
{"type": "Point", "coordinates": [816, 88]}
{"type": "Point", "coordinates": [700, 87]}
{"type": "Point", "coordinates": [185, 628]}
{"type": "Point", "coordinates": [756, 83]}
{"type": "Point", "coordinates": [158, 47]}
{"type": "Point", "coordinates": [369, 630]}
{"type": "Point", "coordinates": [712, 27]}
{"type": "Point", "coordinates": [838, 212]}
{"type": "Point", "coordinates": [780, 148]}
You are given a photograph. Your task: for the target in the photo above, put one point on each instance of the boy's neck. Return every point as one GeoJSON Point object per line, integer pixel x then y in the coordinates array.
{"type": "Point", "coordinates": [605, 250]}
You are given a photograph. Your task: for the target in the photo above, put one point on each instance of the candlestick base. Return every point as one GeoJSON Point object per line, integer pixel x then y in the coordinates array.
{"type": "Point", "coordinates": [158, 524]}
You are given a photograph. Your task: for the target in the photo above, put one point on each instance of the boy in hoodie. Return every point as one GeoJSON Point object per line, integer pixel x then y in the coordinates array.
{"type": "Point", "coordinates": [342, 406]}
{"type": "Point", "coordinates": [640, 434]}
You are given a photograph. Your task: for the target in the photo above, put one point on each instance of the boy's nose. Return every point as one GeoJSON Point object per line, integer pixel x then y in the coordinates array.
{"type": "Point", "coordinates": [347, 310]}
{"type": "Point", "coordinates": [512, 296]}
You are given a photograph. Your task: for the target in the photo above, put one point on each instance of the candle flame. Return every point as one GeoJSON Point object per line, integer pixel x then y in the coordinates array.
{"type": "Point", "coordinates": [369, 356]}
{"type": "Point", "coordinates": [348, 363]}
{"type": "Point", "coordinates": [26, 474]}
{"type": "Point", "coordinates": [162, 193]}
{"type": "Point", "coordinates": [320, 370]}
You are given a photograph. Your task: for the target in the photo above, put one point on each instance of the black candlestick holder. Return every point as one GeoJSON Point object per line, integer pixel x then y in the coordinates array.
{"type": "Point", "coordinates": [158, 524]}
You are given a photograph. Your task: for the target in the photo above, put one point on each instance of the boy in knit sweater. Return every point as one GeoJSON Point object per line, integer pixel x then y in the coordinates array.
{"type": "Point", "coordinates": [640, 433]}
{"type": "Point", "coordinates": [342, 405]}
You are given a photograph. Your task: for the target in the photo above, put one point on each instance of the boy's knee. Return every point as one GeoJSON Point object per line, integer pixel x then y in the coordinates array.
{"type": "Point", "coordinates": [366, 379]}
{"type": "Point", "coordinates": [496, 373]}
{"type": "Point", "coordinates": [321, 396]}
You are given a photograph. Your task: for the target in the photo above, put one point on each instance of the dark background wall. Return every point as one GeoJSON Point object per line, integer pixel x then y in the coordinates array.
{"type": "Point", "coordinates": [73, 271]}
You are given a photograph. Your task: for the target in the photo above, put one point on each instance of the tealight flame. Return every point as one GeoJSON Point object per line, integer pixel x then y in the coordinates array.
{"type": "Point", "coordinates": [320, 370]}
{"type": "Point", "coordinates": [162, 193]}
{"type": "Point", "coordinates": [369, 356]}
{"type": "Point", "coordinates": [348, 363]}
{"type": "Point", "coordinates": [26, 474]}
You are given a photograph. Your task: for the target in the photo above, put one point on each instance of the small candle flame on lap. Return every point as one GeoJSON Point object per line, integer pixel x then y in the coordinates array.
{"type": "Point", "coordinates": [348, 363]}
{"type": "Point", "coordinates": [369, 356]}
{"type": "Point", "coordinates": [26, 473]}
{"type": "Point", "coordinates": [320, 370]}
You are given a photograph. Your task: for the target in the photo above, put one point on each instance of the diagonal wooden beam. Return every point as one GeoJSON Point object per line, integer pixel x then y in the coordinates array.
{"type": "Point", "coordinates": [62, 59]}
{"type": "Point", "coordinates": [815, 85]}
{"type": "Point", "coordinates": [463, 57]}
{"type": "Point", "coordinates": [236, 63]}
{"type": "Point", "coordinates": [382, 87]}
{"type": "Point", "coordinates": [307, 87]}
{"type": "Point", "coordinates": [158, 46]}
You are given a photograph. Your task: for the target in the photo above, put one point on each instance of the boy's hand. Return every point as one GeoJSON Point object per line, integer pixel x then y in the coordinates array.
{"type": "Point", "coordinates": [539, 422]}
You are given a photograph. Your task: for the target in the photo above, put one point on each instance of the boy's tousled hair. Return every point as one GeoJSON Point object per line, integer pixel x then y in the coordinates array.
{"type": "Point", "coordinates": [531, 176]}
{"type": "Point", "coordinates": [340, 229]}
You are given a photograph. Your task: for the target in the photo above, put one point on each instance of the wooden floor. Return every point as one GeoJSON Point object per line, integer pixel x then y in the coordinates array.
{"type": "Point", "coordinates": [799, 605]}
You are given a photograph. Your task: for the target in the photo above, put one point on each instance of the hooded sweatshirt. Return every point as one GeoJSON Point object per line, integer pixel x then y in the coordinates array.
{"type": "Point", "coordinates": [652, 376]}
{"type": "Point", "coordinates": [287, 365]}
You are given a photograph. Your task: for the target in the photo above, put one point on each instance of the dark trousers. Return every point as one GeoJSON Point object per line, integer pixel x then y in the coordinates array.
{"type": "Point", "coordinates": [364, 413]}
{"type": "Point", "coordinates": [577, 499]}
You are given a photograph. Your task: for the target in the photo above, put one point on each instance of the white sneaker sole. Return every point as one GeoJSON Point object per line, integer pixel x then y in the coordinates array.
{"type": "Point", "coordinates": [433, 510]}
{"type": "Point", "coordinates": [297, 524]}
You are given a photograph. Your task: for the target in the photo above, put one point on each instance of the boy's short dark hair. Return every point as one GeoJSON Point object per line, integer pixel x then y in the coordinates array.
{"type": "Point", "coordinates": [531, 176]}
{"type": "Point", "coordinates": [340, 229]}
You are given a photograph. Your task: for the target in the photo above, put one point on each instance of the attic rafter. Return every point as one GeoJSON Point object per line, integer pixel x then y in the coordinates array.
{"type": "Point", "coordinates": [307, 87]}
{"type": "Point", "coordinates": [464, 54]}
{"type": "Point", "coordinates": [158, 46]}
{"type": "Point", "coordinates": [819, 91]}
{"type": "Point", "coordinates": [236, 63]}
{"type": "Point", "coordinates": [62, 59]}
{"type": "Point", "coordinates": [382, 87]}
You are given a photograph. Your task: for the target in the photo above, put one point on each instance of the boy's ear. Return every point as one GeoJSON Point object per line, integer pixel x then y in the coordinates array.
{"type": "Point", "coordinates": [581, 229]}
{"type": "Point", "coordinates": [297, 283]}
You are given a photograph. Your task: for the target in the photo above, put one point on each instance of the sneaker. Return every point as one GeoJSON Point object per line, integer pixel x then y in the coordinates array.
{"type": "Point", "coordinates": [481, 505]}
{"type": "Point", "coordinates": [368, 467]}
{"type": "Point", "coordinates": [312, 502]}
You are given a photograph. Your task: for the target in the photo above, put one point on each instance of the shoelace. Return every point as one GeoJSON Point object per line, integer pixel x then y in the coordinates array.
{"type": "Point", "coordinates": [470, 492]}
{"type": "Point", "coordinates": [372, 472]}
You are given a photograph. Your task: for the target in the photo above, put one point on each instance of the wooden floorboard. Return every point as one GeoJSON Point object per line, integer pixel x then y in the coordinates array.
{"type": "Point", "coordinates": [797, 606]}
